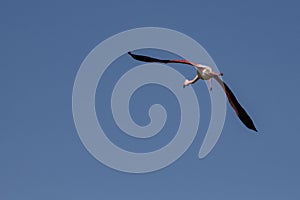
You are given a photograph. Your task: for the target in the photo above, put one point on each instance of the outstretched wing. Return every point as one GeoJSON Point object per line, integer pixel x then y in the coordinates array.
{"type": "Point", "coordinates": [239, 110]}
{"type": "Point", "coordinates": [150, 59]}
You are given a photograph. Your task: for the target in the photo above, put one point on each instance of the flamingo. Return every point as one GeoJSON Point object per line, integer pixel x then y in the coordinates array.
{"type": "Point", "coordinates": [206, 73]}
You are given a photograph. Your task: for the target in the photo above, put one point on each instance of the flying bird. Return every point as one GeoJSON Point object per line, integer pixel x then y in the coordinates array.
{"type": "Point", "coordinates": [206, 73]}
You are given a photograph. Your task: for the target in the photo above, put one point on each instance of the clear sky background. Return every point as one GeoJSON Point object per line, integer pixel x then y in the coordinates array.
{"type": "Point", "coordinates": [255, 44]}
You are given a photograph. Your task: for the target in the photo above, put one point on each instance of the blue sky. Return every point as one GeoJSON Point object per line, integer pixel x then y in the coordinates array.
{"type": "Point", "coordinates": [255, 44]}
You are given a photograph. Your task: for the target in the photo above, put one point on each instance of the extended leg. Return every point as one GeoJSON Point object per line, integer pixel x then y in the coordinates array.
{"type": "Point", "coordinates": [210, 84]}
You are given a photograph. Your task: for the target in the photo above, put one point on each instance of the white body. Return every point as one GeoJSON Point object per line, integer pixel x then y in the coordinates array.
{"type": "Point", "coordinates": [204, 72]}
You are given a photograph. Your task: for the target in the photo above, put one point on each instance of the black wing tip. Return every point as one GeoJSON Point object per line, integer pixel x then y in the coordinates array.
{"type": "Point", "coordinates": [134, 56]}
{"type": "Point", "coordinates": [254, 129]}
{"type": "Point", "coordinates": [248, 122]}
{"type": "Point", "coordinates": [131, 54]}
{"type": "Point", "coordinates": [251, 126]}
